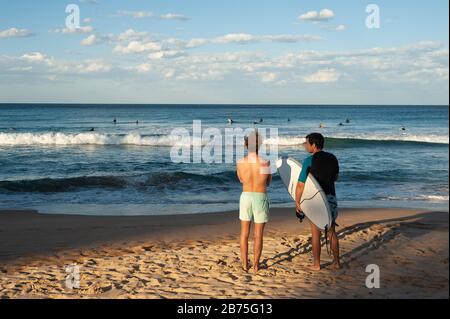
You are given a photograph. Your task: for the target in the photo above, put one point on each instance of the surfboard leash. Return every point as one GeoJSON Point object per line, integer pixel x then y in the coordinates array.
{"type": "Point", "coordinates": [326, 240]}
{"type": "Point", "coordinates": [310, 197]}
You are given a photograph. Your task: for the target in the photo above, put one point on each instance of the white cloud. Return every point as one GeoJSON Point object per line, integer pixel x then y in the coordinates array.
{"type": "Point", "coordinates": [130, 35]}
{"type": "Point", "coordinates": [338, 28]}
{"type": "Point", "coordinates": [34, 57]}
{"type": "Point", "coordinates": [268, 77]}
{"type": "Point", "coordinates": [149, 14]}
{"type": "Point", "coordinates": [144, 68]}
{"type": "Point", "coordinates": [81, 30]}
{"type": "Point", "coordinates": [235, 37]}
{"type": "Point", "coordinates": [135, 14]}
{"type": "Point", "coordinates": [90, 40]}
{"type": "Point", "coordinates": [21, 69]}
{"type": "Point", "coordinates": [442, 73]}
{"type": "Point", "coordinates": [141, 68]}
{"type": "Point", "coordinates": [165, 54]}
{"type": "Point", "coordinates": [169, 73]}
{"type": "Point", "coordinates": [196, 42]}
{"type": "Point", "coordinates": [198, 74]}
{"type": "Point", "coordinates": [249, 38]}
{"type": "Point", "coordinates": [94, 66]}
{"type": "Point", "coordinates": [174, 16]}
{"type": "Point", "coordinates": [137, 47]}
{"type": "Point", "coordinates": [126, 36]}
{"type": "Point", "coordinates": [16, 33]}
{"type": "Point", "coordinates": [322, 76]}
{"type": "Point", "coordinates": [323, 15]}
{"type": "Point", "coordinates": [420, 63]}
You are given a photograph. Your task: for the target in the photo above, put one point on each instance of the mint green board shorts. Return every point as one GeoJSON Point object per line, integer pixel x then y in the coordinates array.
{"type": "Point", "coordinates": [254, 206]}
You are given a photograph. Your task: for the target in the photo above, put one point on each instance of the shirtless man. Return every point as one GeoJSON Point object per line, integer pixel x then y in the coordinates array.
{"type": "Point", "coordinates": [254, 174]}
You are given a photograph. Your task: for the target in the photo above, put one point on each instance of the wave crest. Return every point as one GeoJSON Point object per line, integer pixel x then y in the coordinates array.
{"type": "Point", "coordinates": [93, 138]}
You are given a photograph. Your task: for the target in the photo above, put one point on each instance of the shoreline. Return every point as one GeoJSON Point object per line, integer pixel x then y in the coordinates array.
{"type": "Point", "coordinates": [141, 210]}
{"type": "Point", "coordinates": [197, 256]}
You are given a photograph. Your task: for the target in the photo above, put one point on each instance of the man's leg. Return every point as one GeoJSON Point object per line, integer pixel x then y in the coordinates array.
{"type": "Point", "coordinates": [334, 243]}
{"type": "Point", "coordinates": [316, 248]}
{"type": "Point", "coordinates": [245, 231]}
{"type": "Point", "coordinates": [258, 245]}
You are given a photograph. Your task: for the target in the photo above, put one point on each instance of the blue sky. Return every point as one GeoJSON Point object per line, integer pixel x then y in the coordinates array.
{"type": "Point", "coordinates": [181, 51]}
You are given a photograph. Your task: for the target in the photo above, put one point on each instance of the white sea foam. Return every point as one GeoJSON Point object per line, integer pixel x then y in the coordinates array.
{"type": "Point", "coordinates": [94, 138]}
{"type": "Point", "coordinates": [423, 138]}
{"type": "Point", "coordinates": [431, 198]}
{"type": "Point", "coordinates": [13, 139]}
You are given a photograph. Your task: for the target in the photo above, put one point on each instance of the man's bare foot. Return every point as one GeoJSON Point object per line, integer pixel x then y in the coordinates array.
{"type": "Point", "coordinates": [245, 268]}
{"type": "Point", "coordinates": [314, 267]}
{"type": "Point", "coordinates": [336, 266]}
{"type": "Point", "coordinates": [255, 269]}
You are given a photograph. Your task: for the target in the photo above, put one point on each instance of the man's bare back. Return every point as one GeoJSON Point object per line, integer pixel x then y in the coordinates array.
{"type": "Point", "coordinates": [254, 173]}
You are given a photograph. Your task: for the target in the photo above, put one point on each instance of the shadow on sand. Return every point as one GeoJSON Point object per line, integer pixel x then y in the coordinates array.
{"type": "Point", "coordinates": [410, 227]}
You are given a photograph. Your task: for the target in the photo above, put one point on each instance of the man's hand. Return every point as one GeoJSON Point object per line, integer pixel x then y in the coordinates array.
{"type": "Point", "coordinates": [298, 208]}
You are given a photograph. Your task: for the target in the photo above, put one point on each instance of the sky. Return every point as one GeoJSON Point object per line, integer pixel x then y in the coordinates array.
{"type": "Point", "coordinates": [230, 52]}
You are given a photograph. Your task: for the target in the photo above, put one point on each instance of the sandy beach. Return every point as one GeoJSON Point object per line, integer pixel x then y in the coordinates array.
{"type": "Point", "coordinates": [197, 256]}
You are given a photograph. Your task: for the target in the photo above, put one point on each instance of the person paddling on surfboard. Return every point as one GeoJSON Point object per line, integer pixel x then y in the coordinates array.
{"type": "Point", "coordinates": [325, 168]}
{"type": "Point", "coordinates": [254, 174]}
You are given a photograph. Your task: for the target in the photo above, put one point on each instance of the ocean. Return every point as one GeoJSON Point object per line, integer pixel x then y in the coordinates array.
{"type": "Point", "coordinates": [50, 159]}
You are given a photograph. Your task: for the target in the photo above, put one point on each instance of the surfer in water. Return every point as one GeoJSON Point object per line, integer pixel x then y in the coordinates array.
{"type": "Point", "coordinates": [254, 174]}
{"type": "Point", "coordinates": [325, 168]}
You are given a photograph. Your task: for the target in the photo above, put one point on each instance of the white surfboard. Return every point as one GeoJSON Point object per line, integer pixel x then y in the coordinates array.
{"type": "Point", "coordinates": [314, 202]}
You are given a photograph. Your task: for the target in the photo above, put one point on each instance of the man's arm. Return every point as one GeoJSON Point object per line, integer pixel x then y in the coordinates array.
{"type": "Point", "coordinates": [237, 172]}
{"type": "Point", "coordinates": [298, 195]}
{"type": "Point", "coordinates": [301, 182]}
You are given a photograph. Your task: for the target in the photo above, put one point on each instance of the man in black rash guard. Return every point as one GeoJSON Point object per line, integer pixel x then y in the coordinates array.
{"type": "Point", "coordinates": [324, 167]}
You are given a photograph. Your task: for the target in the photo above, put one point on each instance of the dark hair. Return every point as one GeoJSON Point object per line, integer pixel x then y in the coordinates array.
{"type": "Point", "coordinates": [316, 139]}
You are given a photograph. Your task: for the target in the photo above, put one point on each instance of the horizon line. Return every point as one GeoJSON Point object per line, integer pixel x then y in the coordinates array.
{"type": "Point", "coordinates": [212, 104]}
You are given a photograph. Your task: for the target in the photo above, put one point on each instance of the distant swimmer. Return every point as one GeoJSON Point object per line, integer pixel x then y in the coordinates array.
{"type": "Point", "coordinates": [321, 125]}
{"type": "Point", "coordinates": [255, 123]}
{"type": "Point", "coordinates": [340, 124]}
{"type": "Point", "coordinates": [289, 119]}
{"type": "Point", "coordinates": [92, 130]}
{"type": "Point", "coordinates": [13, 129]}
{"type": "Point", "coordinates": [403, 128]}
{"type": "Point", "coordinates": [137, 121]}
{"type": "Point", "coordinates": [260, 120]}
{"type": "Point", "coordinates": [115, 121]}
{"type": "Point", "coordinates": [347, 121]}
{"type": "Point", "coordinates": [230, 121]}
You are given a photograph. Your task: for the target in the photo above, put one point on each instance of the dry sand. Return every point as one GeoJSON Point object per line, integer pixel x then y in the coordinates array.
{"type": "Point", "coordinates": [197, 256]}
